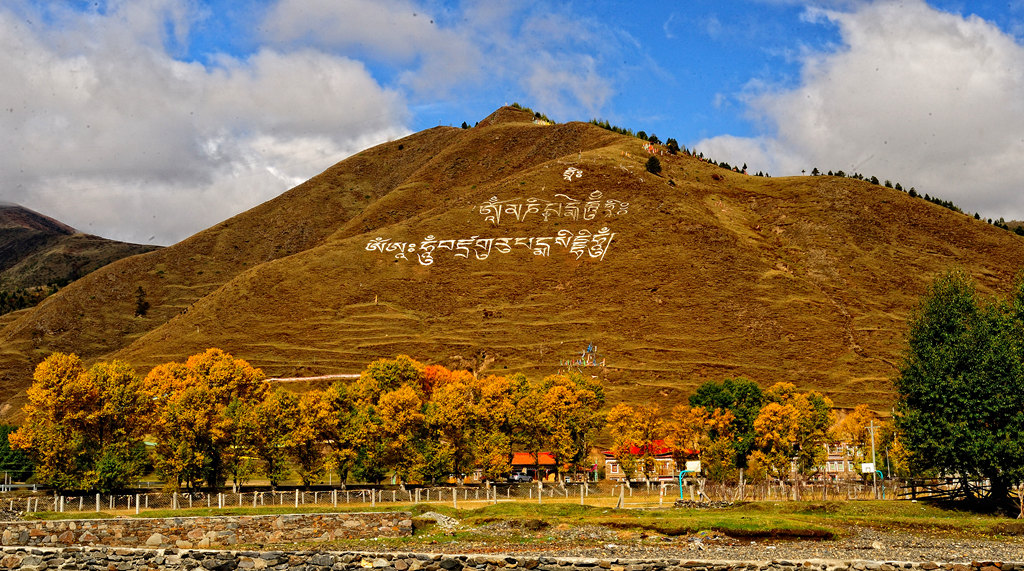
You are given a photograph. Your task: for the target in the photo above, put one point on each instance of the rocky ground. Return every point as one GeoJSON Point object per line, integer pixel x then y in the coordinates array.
{"type": "Point", "coordinates": [854, 543]}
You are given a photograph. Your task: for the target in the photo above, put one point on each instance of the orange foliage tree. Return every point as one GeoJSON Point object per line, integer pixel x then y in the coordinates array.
{"type": "Point", "coordinates": [793, 427]}
{"type": "Point", "coordinates": [84, 428]}
{"type": "Point", "coordinates": [635, 429]}
{"type": "Point", "coordinates": [570, 414]}
{"type": "Point", "coordinates": [192, 422]}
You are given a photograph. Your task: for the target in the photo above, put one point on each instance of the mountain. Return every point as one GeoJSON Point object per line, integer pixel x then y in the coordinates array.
{"type": "Point", "coordinates": [36, 250]}
{"type": "Point", "coordinates": [515, 247]}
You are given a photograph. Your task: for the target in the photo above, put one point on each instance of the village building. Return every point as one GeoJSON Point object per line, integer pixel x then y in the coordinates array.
{"type": "Point", "coordinates": [540, 468]}
{"type": "Point", "coordinates": [664, 462]}
{"type": "Point", "coordinates": [840, 462]}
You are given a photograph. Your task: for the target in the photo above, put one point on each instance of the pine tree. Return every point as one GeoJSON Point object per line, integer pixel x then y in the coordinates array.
{"type": "Point", "coordinates": [653, 165]}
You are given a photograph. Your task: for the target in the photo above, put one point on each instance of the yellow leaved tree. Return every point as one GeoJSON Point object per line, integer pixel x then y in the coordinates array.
{"type": "Point", "coordinates": [194, 421]}
{"type": "Point", "coordinates": [84, 428]}
{"type": "Point", "coordinates": [633, 432]}
{"type": "Point", "coordinates": [792, 429]}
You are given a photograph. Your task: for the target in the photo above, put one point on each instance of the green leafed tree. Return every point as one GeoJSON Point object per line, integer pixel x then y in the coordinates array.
{"type": "Point", "coordinates": [740, 396]}
{"type": "Point", "coordinates": [653, 165]}
{"type": "Point", "coordinates": [15, 463]}
{"type": "Point", "coordinates": [960, 391]}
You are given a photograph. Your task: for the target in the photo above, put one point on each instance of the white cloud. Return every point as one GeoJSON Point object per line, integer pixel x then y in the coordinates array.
{"type": "Point", "coordinates": [931, 99]}
{"type": "Point", "coordinates": [397, 31]}
{"type": "Point", "coordinates": [557, 58]}
{"type": "Point", "coordinates": [103, 129]}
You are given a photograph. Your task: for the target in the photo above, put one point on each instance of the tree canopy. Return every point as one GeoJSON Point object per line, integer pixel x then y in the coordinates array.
{"type": "Point", "coordinates": [84, 427]}
{"type": "Point", "coordinates": [960, 391]}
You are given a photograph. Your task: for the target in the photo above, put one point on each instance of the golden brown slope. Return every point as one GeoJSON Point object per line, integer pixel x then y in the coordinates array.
{"type": "Point", "coordinates": [96, 315]}
{"type": "Point", "coordinates": [806, 279]}
{"type": "Point", "coordinates": [36, 250]}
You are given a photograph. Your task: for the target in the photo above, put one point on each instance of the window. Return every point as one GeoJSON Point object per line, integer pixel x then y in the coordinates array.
{"type": "Point", "coordinates": [613, 468]}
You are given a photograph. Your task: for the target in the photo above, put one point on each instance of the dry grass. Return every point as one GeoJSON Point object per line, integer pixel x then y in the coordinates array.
{"type": "Point", "coordinates": [806, 279]}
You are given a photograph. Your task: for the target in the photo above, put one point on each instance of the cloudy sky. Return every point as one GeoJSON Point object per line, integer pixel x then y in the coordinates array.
{"type": "Point", "coordinates": [149, 120]}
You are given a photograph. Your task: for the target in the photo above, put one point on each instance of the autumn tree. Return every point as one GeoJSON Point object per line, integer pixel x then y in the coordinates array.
{"type": "Point", "coordinates": [240, 462]}
{"type": "Point", "coordinates": [497, 422]}
{"type": "Point", "coordinates": [569, 412]}
{"type": "Point", "coordinates": [793, 426]}
{"type": "Point", "coordinates": [84, 428]}
{"type": "Point", "coordinates": [531, 435]}
{"type": "Point", "coordinates": [777, 428]}
{"type": "Point", "coordinates": [386, 385]}
{"type": "Point", "coordinates": [191, 422]}
{"type": "Point", "coordinates": [452, 418]}
{"type": "Point", "coordinates": [711, 432]}
{"type": "Point", "coordinates": [268, 427]}
{"type": "Point", "coordinates": [401, 426]}
{"type": "Point", "coordinates": [634, 431]}
{"type": "Point", "coordinates": [619, 421]}
{"type": "Point", "coordinates": [313, 420]}
{"type": "Point", "coordinates": [854, 430]}
{"type": "Point", "coordinates": [340, 430]}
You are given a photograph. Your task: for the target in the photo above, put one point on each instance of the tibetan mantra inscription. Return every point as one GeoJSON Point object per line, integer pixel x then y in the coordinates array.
{"type": "Point", "coordinates": [583, 242]}
{"type": "Point", "coordinates": [568, 207]}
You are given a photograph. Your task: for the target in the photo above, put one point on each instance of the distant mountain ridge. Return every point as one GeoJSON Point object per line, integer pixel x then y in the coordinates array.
{"type": "Point", "coordinates": [521, 247]}
{"type": "Point", "coordinates": [37, 250]}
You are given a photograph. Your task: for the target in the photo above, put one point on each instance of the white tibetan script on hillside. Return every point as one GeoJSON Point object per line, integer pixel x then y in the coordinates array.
{"type": "Point", "coordinates": [567, 207]}
{"type": "Point", "coordinates": [582, 243]}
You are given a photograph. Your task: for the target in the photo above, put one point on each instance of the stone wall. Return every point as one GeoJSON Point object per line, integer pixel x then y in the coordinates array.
{"type": "Point", "coordinates": [117, 559]}
{"type": "Point", "coordinates": [203, 532]}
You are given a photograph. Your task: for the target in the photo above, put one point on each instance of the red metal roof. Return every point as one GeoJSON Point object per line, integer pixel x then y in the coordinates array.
{"type": "Point", "coordinates": [526, 459]}
{"type": "Point", "coordinates": [657, 448]}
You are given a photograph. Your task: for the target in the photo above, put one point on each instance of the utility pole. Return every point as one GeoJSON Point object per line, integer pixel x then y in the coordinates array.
{"type": "Point", "coordinates": [874, 471]}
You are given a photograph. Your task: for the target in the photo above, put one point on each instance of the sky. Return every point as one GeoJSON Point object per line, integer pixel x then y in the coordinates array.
{"type": "Point", "coordinates": [150, 120]}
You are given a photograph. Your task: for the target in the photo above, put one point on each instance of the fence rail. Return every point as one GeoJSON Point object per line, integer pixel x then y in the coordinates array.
{"type": "Point", "coordinates": [605, 494]}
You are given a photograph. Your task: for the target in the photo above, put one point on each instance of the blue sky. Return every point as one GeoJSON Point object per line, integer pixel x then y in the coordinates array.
{"type": "Point", "coordinates": [149, 120]}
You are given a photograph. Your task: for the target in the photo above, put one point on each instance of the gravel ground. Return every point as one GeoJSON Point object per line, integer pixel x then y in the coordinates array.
{"type": "Point", "coordinates": [854, 544]}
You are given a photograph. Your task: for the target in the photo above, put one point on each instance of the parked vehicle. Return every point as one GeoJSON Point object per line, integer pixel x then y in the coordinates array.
{"type": "Point", "coordinates": [519, 477]}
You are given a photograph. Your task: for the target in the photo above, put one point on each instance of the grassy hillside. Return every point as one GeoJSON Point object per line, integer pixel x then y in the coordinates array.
{"type": "Point", "coordinates": [36, 250]}
{"type": "Point", "coordinates": [710, 273]}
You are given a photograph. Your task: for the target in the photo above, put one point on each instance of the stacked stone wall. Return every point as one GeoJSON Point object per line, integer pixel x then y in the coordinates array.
{"type": "Point", "coordinates": [123, 559]}
{"type": "Point", "coordinates": [204, 532]}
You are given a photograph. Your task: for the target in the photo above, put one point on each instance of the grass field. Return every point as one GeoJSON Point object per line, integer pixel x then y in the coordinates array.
{"type": "Point", "coordinates": [754, 520]}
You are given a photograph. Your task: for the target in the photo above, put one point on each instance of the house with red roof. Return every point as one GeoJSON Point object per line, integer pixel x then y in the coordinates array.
{"type": "Point", "coordinates": [664, 461]}
{"type": "Point", "coordinates": [543, 467]}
